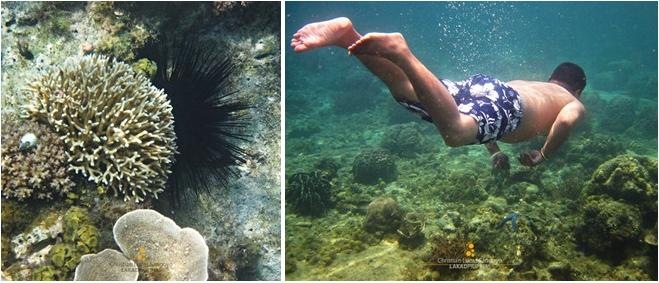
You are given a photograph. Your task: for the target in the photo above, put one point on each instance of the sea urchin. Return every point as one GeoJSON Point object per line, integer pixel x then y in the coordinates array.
{"type": "Point", "coordinates": [208, 118]}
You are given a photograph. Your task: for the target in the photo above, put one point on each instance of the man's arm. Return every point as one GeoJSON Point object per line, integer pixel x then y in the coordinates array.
{"type": "Point", "coordinates": [492, 148]}
{"type": "Point", "coordinates": [571, 113]}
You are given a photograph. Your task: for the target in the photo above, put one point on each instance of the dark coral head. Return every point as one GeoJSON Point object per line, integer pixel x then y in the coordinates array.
{"type": "Point", "coordinates": [209, 118]}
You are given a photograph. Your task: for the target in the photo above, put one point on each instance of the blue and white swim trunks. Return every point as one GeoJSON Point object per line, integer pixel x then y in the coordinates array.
{"type": "Point", "coordinates": [495, 106]}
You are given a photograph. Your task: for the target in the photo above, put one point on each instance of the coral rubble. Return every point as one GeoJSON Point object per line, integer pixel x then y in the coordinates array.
{"type": "Point", "coordinates": [39, 172]}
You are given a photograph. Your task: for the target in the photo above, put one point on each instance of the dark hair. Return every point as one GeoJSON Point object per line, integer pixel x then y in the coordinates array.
{"type": "Point", "coordinates": [571, 75]}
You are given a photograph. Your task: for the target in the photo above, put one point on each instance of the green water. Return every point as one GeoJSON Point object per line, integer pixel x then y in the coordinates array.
{"type": "Point", "coordinates": [336, 109]}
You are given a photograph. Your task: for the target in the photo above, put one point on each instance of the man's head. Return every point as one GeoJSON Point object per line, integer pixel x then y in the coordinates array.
{"type": "Point", "coordinates": [570, 76]}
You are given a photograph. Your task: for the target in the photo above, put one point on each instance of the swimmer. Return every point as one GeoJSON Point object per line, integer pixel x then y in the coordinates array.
{"type": "Point", "coordinates": [478, 110]}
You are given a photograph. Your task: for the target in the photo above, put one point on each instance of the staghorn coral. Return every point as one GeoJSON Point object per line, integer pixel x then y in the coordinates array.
{"type": "Point", "coordinates": [117, 127]}
{"type": "Point", "coordinates": [39, 172]}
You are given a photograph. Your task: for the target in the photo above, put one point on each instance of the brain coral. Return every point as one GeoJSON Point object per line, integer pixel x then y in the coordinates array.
{"type": "Point", "coordinates": [39, 172]}
{"type": "Point", "coordinates": [117, 127]}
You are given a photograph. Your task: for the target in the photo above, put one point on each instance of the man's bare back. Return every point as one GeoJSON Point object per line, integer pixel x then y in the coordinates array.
{"type": "Point", "coordinates": [549, 108]}
{"type": "Point", "coordinates": [542, 102]}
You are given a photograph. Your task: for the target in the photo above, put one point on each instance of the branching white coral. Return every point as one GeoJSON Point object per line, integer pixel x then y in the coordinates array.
{"type": "Point", "coordinates": [117, 127]}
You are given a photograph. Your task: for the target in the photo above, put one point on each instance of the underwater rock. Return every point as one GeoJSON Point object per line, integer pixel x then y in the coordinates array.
{"type": "Point", "coordinates": [620, 108]}
{"type": "Point", "coordinates": [87, 47]}
{"type": "Point", "coordinates": [40, 257]}
{"type": "Point", "coordinates": [122, 137]}
{"type": "Point", "coordinates": [328, 166]}
{"type": "Point", "coordinates": [24, 49]}
{"type": "Point", "coordinates": [404, 140]}
{"type": "Point", "coordinates": [161, 249]}
{"type": "Point", "coordinates": [383, 216]}
{"type": "Point", "coordinates": [373, 165]}
{"type": "Point", "coordinates": [631, 179]}
{"type": "Point", "coordinates": [411, 230]}
{"type": "Point", "coordinates": [560, 271]}
{"type": "Point", "coordinates": [607, 226]}
{"type": "Point", "coordinates": [108, 265]}
{"type": "Point", "coordinates": [464, 186]}
{"type": "Point", "coordinates": [646, 124]}
{"type": "Point", "coordinates": [40, 172]}
{"type": "Point", "coordinates": [309, 193]}
{"type": "Point", "coordinates": [592, 149]}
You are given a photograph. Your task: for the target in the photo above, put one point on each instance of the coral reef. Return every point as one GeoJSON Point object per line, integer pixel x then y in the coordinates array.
{"type": "Point", "coordinates": [46, 227]}
{"type": "Point", "coordinates": [608, 227]}
{"type": "Point", "coordinates": [591, 149]}
{"type": "Point", "coordinates": [161, 249]}
{"type": "Point", "coordinates": [373, 165]}
{"type": "Point", "coordinates": [122, 35]}
{"type": "Point", "coordinates": [404, 140]}
{"type": "Point", "coordinates": [357, 94]}
{"type": "Point", "coordinates": [463, 186]}
{"type": "Point", "coordinates": [64, 256]}
{"type": "Point", "coordinates": [108, 265]}
{"type": "Point", "coordinates": [39, 172]}
{"type": "Point", "coordinates": [52, 245]}
{"type": "Point", "coordinates": [309, 193]}
{"type": "Point", "coordinates": [646, 123]}
{"type": "Point", "coordinates": [118, 129]}
{"type": "Point", "coordinates": [619, 111]}
{"type": "Point", "coordinates": [79, 231]}
{"type": "Point", "coordinates": [383, 216]}
{"type": "Point", "coordinates": [146, 67]}
{"type": "Point", "coordinates": [631, 179]}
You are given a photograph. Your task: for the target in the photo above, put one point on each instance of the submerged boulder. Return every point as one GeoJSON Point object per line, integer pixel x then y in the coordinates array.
{"type": "Point", "coordinates": [373, 165]}
{"type": "Point", "coordinates": [383, 216]}
{"type": "Point", "coordinates": [404, 140]}
{"type": "Point", "coordinates": [607, 226]}
{"type": "Point", "coordinates": [630, 179]}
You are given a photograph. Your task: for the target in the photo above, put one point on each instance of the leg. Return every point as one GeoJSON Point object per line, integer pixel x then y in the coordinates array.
{"type": "Point", "coordinates": [340, 32]}
{"type": "Point", "coordinates": [456, 128]}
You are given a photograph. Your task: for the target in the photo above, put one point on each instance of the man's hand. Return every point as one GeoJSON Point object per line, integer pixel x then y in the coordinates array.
{"type": "Point", "coordinates": [500, 161]}
{"type": "Point", "coordinates": [531, 158]}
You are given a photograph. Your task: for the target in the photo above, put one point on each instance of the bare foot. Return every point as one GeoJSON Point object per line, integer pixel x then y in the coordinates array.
{"type": "Point", "coordinates": [337, 32]}
{"type": "Point", "coordinates": [386, 45]}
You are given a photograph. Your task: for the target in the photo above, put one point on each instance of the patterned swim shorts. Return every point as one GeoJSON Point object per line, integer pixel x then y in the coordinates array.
{"type": "Point", "coordinates": [495, 106]}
